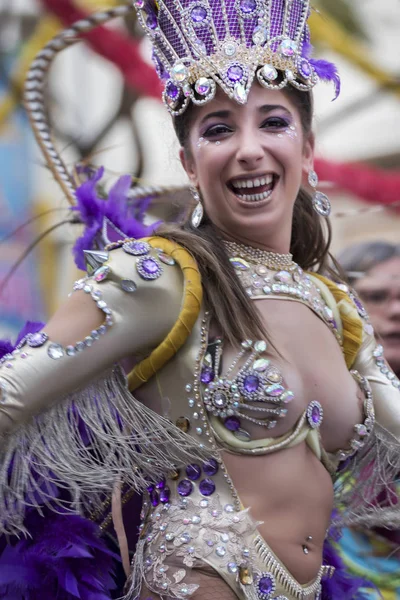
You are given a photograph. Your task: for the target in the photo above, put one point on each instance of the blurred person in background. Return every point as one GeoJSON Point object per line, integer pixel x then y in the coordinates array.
{"type": "Point", "coordinates": [373, 269]}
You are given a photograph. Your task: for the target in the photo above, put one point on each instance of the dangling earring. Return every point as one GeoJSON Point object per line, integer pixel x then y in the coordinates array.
{"type": "Point", "coordinates": [321, 203]}
{"type": "Point", "coordinates": [198, 212]}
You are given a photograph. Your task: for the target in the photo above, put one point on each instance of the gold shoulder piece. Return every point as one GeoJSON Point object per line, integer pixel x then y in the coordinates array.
{"type": "Point", "coordinates": [351, 322]}
{"type": "Point", "coordinates": [191, 305]}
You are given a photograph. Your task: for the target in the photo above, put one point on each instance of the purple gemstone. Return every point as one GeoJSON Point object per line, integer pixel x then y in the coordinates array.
{"type": "Point", "coordinates": [235, 73]}
{"type": "Point", "coordinates": [172, 91]}
{"type": "Point", "coordinates": [315, 414]}
{"type": "Point", "coordinates": [232, 423]}
{"type": "Point", "coordinates": [305, 68]}
{"type": "Point", "coordinates": [251, 383]}
{"type": "Point", "coordinates": [150, 488]}
{"type": "Point", "coordinates": [193, 471]}
{"type": "Point", "coordinates": [266, 584]}
{"type": "Point", "coordinates": [151, 21]}
{"type": "Point", "coordinates": [210, 467]}
{"type": "Point", "coordinates": [207, 487]}
{"type": "Point", "coordinates": [150, 266]}
{"type": "Point", "coordinates": [36, 339]}
{"type": "Point", "coordinates": [185, 487]}
{"type": "Point", "coordinates": [154, 498]}
{"type": "Point", "coordinates": [361, 310]}
{"type": "Point", "coordinates": [248, 6]}
{"type": "Point", "coordinates": [136, 248]}
{"type": "Point", "coordinates": [165, 495]}
{"type": "Point", "coordinates": [207, 375]}
{"type": "Point", "coordinates": [161, 484]}
{"type": "Point", "coordinates": [198, 14]}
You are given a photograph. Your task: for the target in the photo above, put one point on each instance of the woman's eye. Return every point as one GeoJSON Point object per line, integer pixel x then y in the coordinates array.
{"type": "Point", "coordinates": [216, 130]}
{"type": "Point", "coordinates": [275, 123]}
{"type": "Point", "coordinates": [374, 297]}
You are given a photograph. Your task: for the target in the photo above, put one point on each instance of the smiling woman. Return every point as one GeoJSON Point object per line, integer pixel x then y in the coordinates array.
{"type": "Point", "coordinates": [263, 404]}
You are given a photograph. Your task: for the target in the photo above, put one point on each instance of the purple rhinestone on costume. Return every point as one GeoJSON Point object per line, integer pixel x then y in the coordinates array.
{"type": "Point", "coordinates": [35, 340]}
{"type": "Point", "coordinates": [265, 586]}
{"type": "Point", "coordinates": [137, 248]}
{"type": "Point", "coordinates": [235, 73]}
{"type": "Point", "coordinates": [154, 498]}
{"type": "Point", "coordinates": [148, 268]}
{"type": "Point", "coordinates": [207, 375]}
{"type": "Point", "coordinates": [232, 423]}
{"type": "Point", "coordinates": [193, 472]}
{"type": "Point", "coordinates": [251, 383]}
{"type": "Point", "coordinates": [185, 487]}
{"type": "Point", "coordinates": [207, 487]}
{"type": "Point", "coordinates": [165, 495]}
{"type": "Point", "coordinates": [315, 414]}
{"type": "Point", "coordinates": [210, 467]}
{"type": "Point", "coordinates": [161, 484]}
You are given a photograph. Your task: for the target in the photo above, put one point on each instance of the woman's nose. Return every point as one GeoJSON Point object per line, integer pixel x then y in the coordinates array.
{"type": "Point", "coordinates": [250, 151]}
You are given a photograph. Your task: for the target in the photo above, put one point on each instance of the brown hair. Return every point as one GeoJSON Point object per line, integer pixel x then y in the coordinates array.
{"type": "Point", "coordinates": [229, 304]}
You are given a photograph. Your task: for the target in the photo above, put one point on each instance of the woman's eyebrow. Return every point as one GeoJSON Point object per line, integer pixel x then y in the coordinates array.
{"type": "Point", "coordinates": [221, 114]}
{"type": "Point", "coordinates": [267, 108]}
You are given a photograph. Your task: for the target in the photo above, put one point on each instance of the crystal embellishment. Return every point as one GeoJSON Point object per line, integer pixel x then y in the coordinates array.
{"type": "Point", "coordinates": [136, 248]}
{"type": "Point", "coordinates": [35, 340]}
{"type": "Point", "coordinates": [315, 414]}
{"type": "Point", "coordinates": [55, 351]}
{"type": "Point", "coordinates": [128, 285]}
{"type": "Point", "coordinates": [265, 586]}
{"type": "Point", "coordinates": [148, 268]}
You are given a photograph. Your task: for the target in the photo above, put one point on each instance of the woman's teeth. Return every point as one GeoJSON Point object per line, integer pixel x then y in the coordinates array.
{"type": "Point", "coordinates": [250, 183]}
{"type": "Point", "coordinates": [255, 197]}
{"type": "Point", "coordinates": [261, 188]}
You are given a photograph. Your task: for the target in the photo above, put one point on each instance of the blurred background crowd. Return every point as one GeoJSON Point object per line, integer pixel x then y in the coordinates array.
{"type": "Point", "coordinates": [103, 103]}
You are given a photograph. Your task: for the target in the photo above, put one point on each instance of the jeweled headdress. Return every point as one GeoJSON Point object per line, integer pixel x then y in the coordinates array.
{"type": "Point", "coordinates": [198, 44]}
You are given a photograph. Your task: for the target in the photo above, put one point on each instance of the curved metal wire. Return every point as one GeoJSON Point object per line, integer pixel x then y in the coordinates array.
{"type": "Point", "coordinates": [34, 91]}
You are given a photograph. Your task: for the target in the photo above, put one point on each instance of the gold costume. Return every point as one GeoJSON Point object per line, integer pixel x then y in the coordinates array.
{"type": "Point", "coordinates": [168, 443]}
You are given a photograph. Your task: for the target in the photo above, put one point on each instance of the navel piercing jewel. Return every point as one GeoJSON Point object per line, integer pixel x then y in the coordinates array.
{"type": "Point", "coordinates": [305, 549]}
{"type": "Point", "coordinates": [198, 212]}
{"type": "Point", "coordinates": [321, 203]}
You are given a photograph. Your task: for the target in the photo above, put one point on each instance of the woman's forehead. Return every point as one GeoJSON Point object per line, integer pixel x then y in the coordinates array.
{"type": "Point", "coordinates": [258, 98]}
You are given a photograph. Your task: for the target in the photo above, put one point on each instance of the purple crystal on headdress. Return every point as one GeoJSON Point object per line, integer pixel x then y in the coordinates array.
{"type": "Point", "coordinates": [305, 68]}
{"type": "Point", "coordinates": [165, 495]}
{"type": "Point", "coordinates": [210, 467]}
{"type": "Point", "coordinates": [251, 383]}
{"type": "Point", "coordinates": [172, 90]}
{"type": "Point", "coordinates": [151, 21]}
{"type": "Point", "coordinates": [161, 484]}
{"type": "Point", "coordinates": [248, 6]}
{"type": "Point", "coordinates": [185, 487]}
{"type": "Point", "coordinates": [207, 487]}
{"type": "Point", "coordinates": [315, 414]}
{"type": "Point", "coordinates": [266, 584]}
{"type": "Point", "coordinates": [193, 471]}
{"type": "Point", "coordinates": [36, 339]}
{"type": "Point", "coordinates": [198, 14]}
{"type": "Point", "coordinates": [207, 375]}
{"type": "Point", "coordinates": [232, 423]}
{"type": "Point", "coordinates": [235, 73]}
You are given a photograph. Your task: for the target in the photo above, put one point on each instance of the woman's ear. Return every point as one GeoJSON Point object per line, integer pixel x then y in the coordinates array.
{"type": "Point", "coordinates": [189, 166]}
{"type": "Point", "coordinates": [308, 153]}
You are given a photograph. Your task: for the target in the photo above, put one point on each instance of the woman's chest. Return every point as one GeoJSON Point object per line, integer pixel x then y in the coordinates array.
{"type": "Point", "coordinates": [310, 362]}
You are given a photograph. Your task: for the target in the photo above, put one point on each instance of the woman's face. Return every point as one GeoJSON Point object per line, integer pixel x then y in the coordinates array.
{"type": "Point", "coordinates": [248, 162]}
{"type": "Point", "coordinates": [380, 291]}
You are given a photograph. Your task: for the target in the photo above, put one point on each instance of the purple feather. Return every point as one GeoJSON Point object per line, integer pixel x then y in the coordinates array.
{"type": "Point", "coordinates": [342, 585]}
{"type": "Point", "coordinates": [6, 346]}
{"type": "Point", "coordinates": [327, 71]}
{"type": "Point", "coordinates": [94, 209]}
{"type": "Point", "coordinates": [63, 558]}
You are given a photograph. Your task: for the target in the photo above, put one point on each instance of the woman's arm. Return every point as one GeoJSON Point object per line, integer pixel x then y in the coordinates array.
{"type": "Point", "coordinates": [97, 326]}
